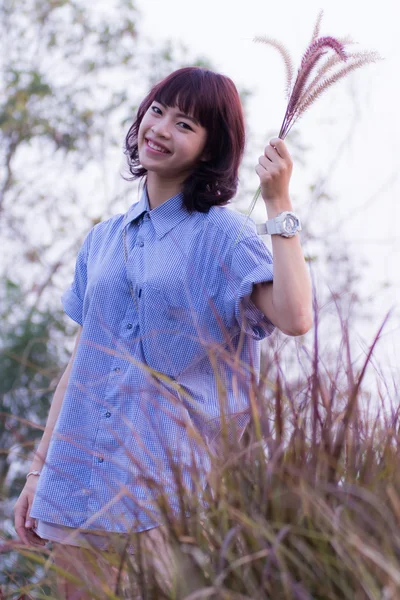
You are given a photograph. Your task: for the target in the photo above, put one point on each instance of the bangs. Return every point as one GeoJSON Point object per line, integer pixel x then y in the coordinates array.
{"type": "Point", "coordinates": [195, 95]}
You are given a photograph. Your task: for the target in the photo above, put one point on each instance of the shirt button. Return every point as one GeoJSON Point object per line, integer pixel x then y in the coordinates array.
{"type": "Point", "coordinates": [117, 369]}
{"type": "Point", "coordinates": [108, 414]}
{"type": "Point", "coordinates": [141, 244]}
{"type": "Point", "coordinates": [147, 216]}
{"type": "Point", "coordinates": [258, 330]}
{"type": "Point", "coordinates": [129, 326]}
{"type": "Point", "coordinates": [100, 459]}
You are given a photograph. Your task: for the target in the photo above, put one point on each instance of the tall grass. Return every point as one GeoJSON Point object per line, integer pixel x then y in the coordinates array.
{"type": "Point", "coordinates": [306, 505]}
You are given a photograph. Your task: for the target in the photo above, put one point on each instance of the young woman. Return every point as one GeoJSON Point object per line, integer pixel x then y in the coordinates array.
{"type": "Point", "coordinates": [168, 298]}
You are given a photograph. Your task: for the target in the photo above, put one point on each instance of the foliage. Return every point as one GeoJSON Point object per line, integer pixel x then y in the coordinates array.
{"type": "Point", "coordinates": [31, 350]}
{"type": "Point", "coordinates": [31, 353]}
{"type": "Point", "coordinates": [304, 506]}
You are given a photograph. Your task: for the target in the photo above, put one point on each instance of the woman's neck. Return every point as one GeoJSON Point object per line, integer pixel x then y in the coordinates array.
{"type": "Point", "coordinates": [159, 190]}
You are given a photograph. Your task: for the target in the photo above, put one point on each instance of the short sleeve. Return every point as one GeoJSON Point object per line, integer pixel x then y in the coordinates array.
{"type": "Point", "coordinates": [251, 263]}
{"type": "Point", "coordinates": [73, 297]}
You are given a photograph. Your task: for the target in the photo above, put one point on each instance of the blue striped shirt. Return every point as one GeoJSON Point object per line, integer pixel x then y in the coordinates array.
{"type": "Point", "coordinates": [143, 392]}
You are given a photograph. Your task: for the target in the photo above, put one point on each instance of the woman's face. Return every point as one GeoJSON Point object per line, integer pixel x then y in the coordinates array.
{"type": "Point", "coordinates": [178, 141]}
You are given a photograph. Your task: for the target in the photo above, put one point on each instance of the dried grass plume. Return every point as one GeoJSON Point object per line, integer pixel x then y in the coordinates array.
{"type": "Point", "coordinates": [314, 75]}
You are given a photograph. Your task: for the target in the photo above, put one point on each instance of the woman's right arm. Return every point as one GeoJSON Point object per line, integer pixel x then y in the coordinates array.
{"type": "Point", "coordinates": [22, 508]}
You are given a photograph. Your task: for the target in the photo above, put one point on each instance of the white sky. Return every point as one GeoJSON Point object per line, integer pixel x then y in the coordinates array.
{"type": "Point", "coordinates": [365, 181]}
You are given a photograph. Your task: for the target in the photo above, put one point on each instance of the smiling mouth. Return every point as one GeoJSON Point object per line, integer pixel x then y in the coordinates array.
{"type": "Point", "coordinates": [153, 146]}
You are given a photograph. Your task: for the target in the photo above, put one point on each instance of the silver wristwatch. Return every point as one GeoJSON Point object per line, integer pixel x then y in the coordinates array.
{"type": "Point", "coordinates": [286, 224]}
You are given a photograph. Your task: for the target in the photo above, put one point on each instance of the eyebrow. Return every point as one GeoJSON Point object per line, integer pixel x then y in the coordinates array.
{"type": "Point", "coordinates": [180, 114]}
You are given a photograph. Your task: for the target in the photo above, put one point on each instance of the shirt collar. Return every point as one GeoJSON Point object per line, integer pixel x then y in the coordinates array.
{"type": "Point", "coordinates": [164, 217]}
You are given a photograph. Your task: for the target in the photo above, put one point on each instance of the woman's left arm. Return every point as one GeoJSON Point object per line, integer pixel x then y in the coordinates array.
{"type": "Point", "coordinates": [287, 301]}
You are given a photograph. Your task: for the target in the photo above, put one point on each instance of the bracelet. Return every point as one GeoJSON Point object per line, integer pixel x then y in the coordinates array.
{"type": "Point", "coordinates": [33, 473]}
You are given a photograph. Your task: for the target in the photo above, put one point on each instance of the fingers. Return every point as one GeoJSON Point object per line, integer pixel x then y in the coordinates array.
{"type": "Point", "coordinates": [276, 159]}
{"type": "Point", "coordinates": [28, 536]}
{"type": "Point", "coordinates": [270, 156]}
{"type": "Point", "coordinates": [19, 518]}
{"type": "Point", "coordinates": [25, 534]}
{"type": "Point", "coordinates": [35, 539]}
{"type": "Point", "coordinates": [266, 163]}
{"type": "Point", "coordinates": [263, 173]}
{"type": "Point", "coordinates": [30, 522]}
{"type": "Point", "coordinates": [272, 153]}
{"type": "Point", "coordinates": [279, 147]}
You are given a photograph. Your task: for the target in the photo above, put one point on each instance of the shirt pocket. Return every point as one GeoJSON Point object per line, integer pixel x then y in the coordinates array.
{"type": "Point", "coordinates": [177, 332]}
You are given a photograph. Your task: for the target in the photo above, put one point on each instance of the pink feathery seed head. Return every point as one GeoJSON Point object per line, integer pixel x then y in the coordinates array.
{"type": "Point", "coordinates": [312, 55]}
{"type": "Point", "coordinates": [321, 42]}
{"type": "Point", "coordinates": [301, 79]}
{"type": "Point", "coordinates": [362, 59]}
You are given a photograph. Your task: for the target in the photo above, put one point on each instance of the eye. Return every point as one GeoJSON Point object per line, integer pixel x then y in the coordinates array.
{"type": "Point", "coordinates": [185, 124]}
{"type": "Point", "coordinates": [155, 109]}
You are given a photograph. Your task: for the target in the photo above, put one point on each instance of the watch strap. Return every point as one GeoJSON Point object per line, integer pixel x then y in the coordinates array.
{"type": "Point", "coordinates": [267, 228]}
{"type": "Point", "coordinates": [271, 226]}
{"type": "Point", "coordinates": [261, 228]}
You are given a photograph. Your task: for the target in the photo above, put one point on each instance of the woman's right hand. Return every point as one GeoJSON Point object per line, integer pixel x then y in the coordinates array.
{"type": "Point", "coordinates": [22, 510]}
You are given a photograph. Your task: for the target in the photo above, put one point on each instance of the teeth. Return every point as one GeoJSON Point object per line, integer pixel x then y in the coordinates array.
{"type": "Point", "coordinates": [155, 147]}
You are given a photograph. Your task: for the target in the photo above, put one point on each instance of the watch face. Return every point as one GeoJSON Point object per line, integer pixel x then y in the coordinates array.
{"type": "Point", "coordinates": [289, 224]}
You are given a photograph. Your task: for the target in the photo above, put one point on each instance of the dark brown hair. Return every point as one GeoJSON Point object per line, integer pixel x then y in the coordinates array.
{"type": "Point", "coordinates": [214, 101]}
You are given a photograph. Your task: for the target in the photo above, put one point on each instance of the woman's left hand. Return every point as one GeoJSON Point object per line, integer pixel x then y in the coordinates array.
{"type": "Point", "coordinates": [274, 170]}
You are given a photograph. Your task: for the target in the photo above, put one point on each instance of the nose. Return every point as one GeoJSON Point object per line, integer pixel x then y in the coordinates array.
{"type": "Point", "coordinates": [161, 129]}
